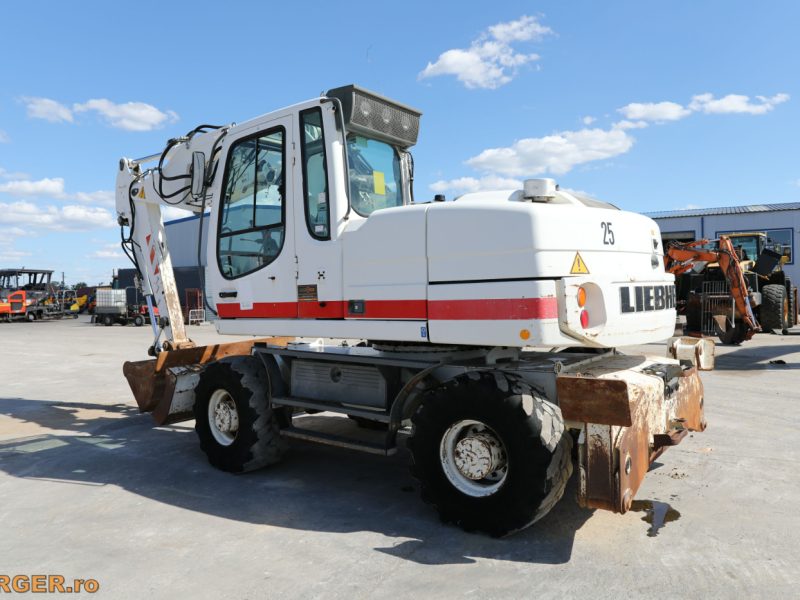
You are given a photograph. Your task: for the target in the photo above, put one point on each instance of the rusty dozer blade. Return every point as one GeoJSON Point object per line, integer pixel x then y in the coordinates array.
{"type": "Point", "coordinates": [627, 419]}
{"type": "Point", "coordinates": [164, 386]}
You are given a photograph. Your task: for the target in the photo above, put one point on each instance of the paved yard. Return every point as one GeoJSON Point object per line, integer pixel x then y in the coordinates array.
{"type": "Point", "coordinates": [89, 489]}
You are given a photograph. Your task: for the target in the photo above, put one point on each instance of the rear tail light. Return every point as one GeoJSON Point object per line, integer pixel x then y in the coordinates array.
{"type": "Point", "coordinates": [584, 319]}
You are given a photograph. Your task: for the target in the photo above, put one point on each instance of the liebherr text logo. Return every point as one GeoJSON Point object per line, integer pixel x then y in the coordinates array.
{"type": "Point", "coordinates": [640, 298]}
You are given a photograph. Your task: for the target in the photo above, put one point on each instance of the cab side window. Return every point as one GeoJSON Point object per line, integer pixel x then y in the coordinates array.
{"type": "Point", "coordinates": [315, 174]}
{"type": "Point", "coordinates": [253, 219]}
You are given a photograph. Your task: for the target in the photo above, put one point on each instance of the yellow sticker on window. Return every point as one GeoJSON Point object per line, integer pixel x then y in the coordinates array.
{"type": "Point", "coordinates": [379, 182]}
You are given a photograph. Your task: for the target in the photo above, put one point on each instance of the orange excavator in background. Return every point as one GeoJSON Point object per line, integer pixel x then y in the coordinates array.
{"type": "Point", "coordinates": [733, 326]}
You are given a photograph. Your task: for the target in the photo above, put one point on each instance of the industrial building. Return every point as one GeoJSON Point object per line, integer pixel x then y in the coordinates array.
{"type": "Point", "coordinates": [780, 222]}
{"type": "Point", "coordinates": [182, 241]}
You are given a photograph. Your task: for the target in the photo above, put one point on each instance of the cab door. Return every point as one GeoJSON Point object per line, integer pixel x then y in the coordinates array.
{"type": "Point", "coordinates": [254, 254]}
{"type": "Point", "coordinates": [318, 251]}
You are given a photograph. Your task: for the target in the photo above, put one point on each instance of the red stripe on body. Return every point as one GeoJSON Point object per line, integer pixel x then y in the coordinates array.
{"type": "Point", "coordinates": [393, 309]}
{"type": "Point", "coordinates": [320, 309]}
{"type": "Point", "coordinates": [494, 309]}
{"type": "Point", "coordinates": [260, 310]}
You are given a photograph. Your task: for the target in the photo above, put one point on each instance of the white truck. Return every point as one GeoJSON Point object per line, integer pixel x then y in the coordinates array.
{"type": "Point", "coordinates": [482, 331]}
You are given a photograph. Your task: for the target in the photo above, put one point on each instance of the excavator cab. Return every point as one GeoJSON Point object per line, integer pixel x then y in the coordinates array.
{"type": "Point", "coordinates": [757, 253]}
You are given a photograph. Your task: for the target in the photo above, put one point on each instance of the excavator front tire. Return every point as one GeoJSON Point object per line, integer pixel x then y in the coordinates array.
{"type": "Point", "coordinates": [237, 427]}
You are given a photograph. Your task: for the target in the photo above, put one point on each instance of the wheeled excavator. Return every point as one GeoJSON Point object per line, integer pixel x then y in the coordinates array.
{"type": "Point", "coordinates": [480, 333]}
{"type": "Point", "coordinates": [722, 289]}
{"type": "Point", "coordinates": [733, 325]}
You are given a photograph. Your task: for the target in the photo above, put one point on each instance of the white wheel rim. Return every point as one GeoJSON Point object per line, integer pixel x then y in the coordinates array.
{"type": "Point", "coordinates": [473, 458]}
{"type": "Point", "coordinates": [223, 418]}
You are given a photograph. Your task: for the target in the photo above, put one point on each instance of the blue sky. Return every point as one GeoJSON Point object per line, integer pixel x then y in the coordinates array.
{"type": "Point", "coordinates": [652, 106]}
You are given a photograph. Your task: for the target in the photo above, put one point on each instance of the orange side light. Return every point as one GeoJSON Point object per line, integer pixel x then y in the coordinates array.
{"type": "Point", "coordinates": [581, 297]}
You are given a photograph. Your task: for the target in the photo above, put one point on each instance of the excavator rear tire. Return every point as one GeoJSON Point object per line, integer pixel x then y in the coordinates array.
{"type": "Point", "coordinates": [791, 290]}
{"type": "Point", "coordinates": [501, 491]}
{"type": "Point", "coordinates": [256, 442]}
{"type": "Point", "coordinates": [774, 311]}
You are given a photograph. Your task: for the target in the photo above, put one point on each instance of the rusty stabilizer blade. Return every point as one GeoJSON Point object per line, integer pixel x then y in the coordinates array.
{"type": "Point", "coordinates": [164, 386]}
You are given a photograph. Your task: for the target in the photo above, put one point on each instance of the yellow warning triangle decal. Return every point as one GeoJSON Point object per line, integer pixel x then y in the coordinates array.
{"type": "Point", "coordinates": [578, 266]}
{"type": "Point", "coordinates": [141, 193]}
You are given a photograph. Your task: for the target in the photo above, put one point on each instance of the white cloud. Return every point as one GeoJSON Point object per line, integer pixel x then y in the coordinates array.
{"type": "Point", "coordinates": [464, 185]}
{"type": "Point", "coordinates": [108, 251]}
{"type": "Point", "coordinates": [80, 217]}
{"type": "Point", "coordinates": [661, 112]}
{"type": "Point", "coordinates": [522, 30]}
{"type": "Point", "coordinates": [625, 124]}
{"type": "Point", "coordinates": [4, 174]}
{"type": "Point", "coordinates": [42, 187]}
{"type": "Point", "coordinates": [654, 111]}
{"type": "Point", "coordinates": [736, 103]}
{"type": "Point", "coordinates": [131, 116]}
{"type": "Point", "coordinates": [47, 109]}
{"type": "Point", "coordinates": [53, 188]}
{"type": "Point", "coordinates": [8, 234]}
{"type": "Point", "coordinates": [490, 61]}
{"type": "Point", "coordinates": [66, 218]}
{"type": "Point", "coordinates": [101, 197]}
{"type": "Point", "coordinates": [558, 153]}
{"type": "Point", "coordinates": [4, 139]}
{"type": "Point", "coordinates": [9, 254]}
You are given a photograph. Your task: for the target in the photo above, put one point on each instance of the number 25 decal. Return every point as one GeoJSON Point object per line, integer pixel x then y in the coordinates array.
{"type": "Point", "coordinates": [608, 235]}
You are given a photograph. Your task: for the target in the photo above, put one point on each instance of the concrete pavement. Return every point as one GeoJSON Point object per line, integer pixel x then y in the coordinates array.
{"type": "Point", "coordinates": [90, 489]}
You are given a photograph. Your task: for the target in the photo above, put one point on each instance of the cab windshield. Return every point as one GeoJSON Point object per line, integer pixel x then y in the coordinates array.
{"type": "Point", "coordinates": [748, 247]}
{"type": "Point", "coordinates": [374, 172]}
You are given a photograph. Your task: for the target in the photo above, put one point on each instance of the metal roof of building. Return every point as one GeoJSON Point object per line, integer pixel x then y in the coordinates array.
{"type": "Point", "coordinates": [723, 210]}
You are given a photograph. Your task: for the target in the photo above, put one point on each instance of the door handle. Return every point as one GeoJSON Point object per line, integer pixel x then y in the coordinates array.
{"type": "Point", "coordinates": [228, 294]}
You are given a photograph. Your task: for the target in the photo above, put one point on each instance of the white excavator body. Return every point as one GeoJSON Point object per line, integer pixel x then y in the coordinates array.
{"type": "Point", "coordinates": [484, 329]}
{"type": "Point", "coordinates": [344, 253]}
